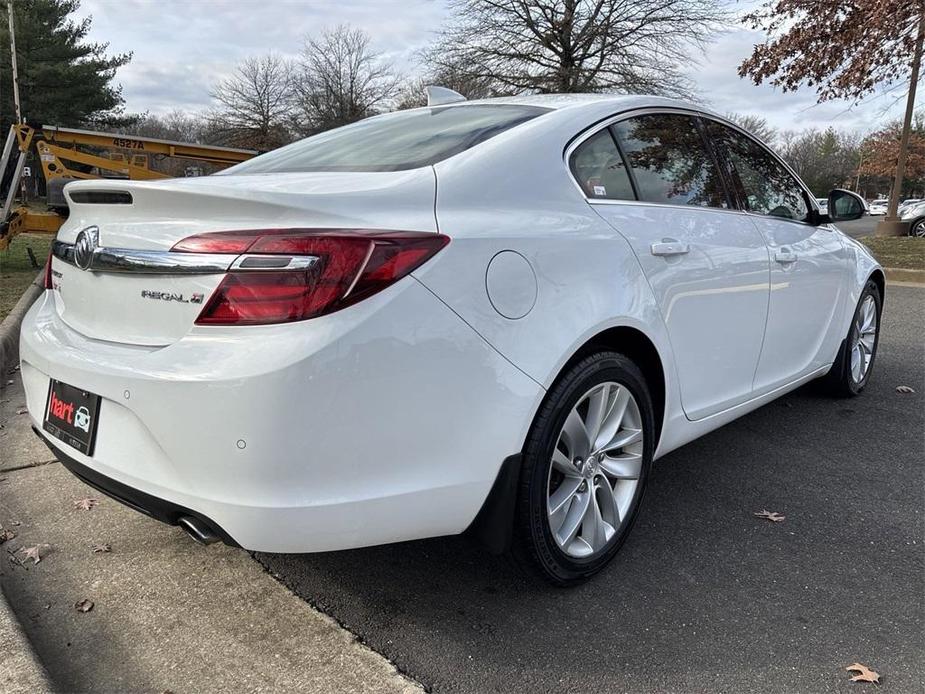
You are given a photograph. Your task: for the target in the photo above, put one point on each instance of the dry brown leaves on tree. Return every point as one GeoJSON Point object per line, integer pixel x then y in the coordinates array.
{"type": "Point", "coordinates": [86, 504]}
{"type": "Point", "coordinates": [843, 48]}
{"type": "Point", "coordinates": [773, 516]}
{"type": "Point", "coordinates": [865, 674]}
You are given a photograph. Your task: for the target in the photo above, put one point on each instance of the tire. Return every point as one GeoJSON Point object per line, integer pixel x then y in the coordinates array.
{"type": "Point", "coordinates": [843, 380]}
{"type": "Point", "coordinates": [601, 382]}
{"type": "Point", "coordinates": [917, 228]}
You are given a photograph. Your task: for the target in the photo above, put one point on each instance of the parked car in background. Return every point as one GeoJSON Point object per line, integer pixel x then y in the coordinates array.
{"type": "Point", "coordinates": [878, 206]}
{"type": "Point", "coordinates": [907, 203]}
{"type": "Point", "coordinates": [489, 315]}
{"type": "Point", "coordinates": [914, 213]}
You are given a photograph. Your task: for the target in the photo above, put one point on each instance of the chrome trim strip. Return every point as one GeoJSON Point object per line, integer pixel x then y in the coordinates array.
{"type": "Point", "coordinates": [127, 260]}
{"type": "Point", "coordinates": [158, 262]}
{"type": "Point", "coordinates": [252, 262]}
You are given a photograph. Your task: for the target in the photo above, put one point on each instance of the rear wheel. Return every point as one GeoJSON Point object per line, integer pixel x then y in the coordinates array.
{"type": "Point", "coordinates": [586, 464]}
{"type": "Point", "coordinates": [855, 362]}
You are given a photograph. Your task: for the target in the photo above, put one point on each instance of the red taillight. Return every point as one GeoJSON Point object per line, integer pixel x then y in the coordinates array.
{"type": "Point", "coordinates": [351, 266]}
{"type": "Point", "coordinates": [48, 282]}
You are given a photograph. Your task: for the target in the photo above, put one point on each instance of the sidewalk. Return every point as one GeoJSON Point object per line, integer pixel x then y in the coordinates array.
{"type": "Point", "coordinates": [168, 615]}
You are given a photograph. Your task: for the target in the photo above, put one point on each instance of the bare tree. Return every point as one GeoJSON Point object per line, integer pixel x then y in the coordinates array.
{"type": "Point", "coordinates": [254, 104]}
{"type": "Point", "coordinates": [578, 45]}
{"type": "Point", "coordinates": [175, 125]}
{"type": "Point", "coordinates": [756, 125]}
{"type": "Point", "coordinates": [341, 80]}
{"type": "Point", "coordinates": [452, 77]}
{"type": "Point", "coordinates": [824, 159]}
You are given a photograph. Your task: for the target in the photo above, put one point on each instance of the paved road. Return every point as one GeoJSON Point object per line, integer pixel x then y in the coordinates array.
{"type": "Point", "coordinates": [704, 596]}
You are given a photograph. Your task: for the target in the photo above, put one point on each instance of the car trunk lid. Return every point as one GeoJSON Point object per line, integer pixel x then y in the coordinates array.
{"type": "Point", "coordinates": [125, 297]}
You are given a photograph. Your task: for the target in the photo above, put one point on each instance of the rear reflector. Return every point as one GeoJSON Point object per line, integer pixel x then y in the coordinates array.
{"type": "Point", "coordinates": [350, 266]}
{"type": "Point", "coordinates": [49, 284]}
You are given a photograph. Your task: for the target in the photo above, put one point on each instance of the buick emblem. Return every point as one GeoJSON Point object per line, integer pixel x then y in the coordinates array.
{"type": "Point", "coordinates": [87, 241]}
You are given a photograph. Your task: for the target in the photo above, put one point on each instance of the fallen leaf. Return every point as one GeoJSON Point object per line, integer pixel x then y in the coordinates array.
{"type": "Point", "coordinates": [83, 605]}
{"type": "Point", "coordinates": [33, 553]}
{"type": "Point", "coordinates": [101, 547]}
{"type": "Point", "coordinates": [905, 389]}
{"type": "Point", "coordinates": [22, 410]}
{"type": "Point", "coordinates": [10, 382]}
{"type": "Point", "coordinates": [6, 535]}
{"type": "Point", "coordinates": [13, 370]}
{"type": "Point", "coordinates": [86, 504]}
{"type": "Point", "coordinates": [15, 523]}
{"type": "Point", "coordinates": [770, 515]}
{"type": "Point", "coordinates": [865, 674]}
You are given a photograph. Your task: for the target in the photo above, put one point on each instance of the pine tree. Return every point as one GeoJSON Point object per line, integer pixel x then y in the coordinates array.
{"type": "Point", "coordinates": [63, 78]}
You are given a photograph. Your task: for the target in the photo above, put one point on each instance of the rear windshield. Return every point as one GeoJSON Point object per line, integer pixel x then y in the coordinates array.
{"type": "Point", "coordinates": [395, 141]}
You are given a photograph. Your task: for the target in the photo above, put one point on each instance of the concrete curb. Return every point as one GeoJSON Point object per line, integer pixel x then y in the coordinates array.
{"type": "Point", "coordinates": [20, 670]}
{"type": "Point", "coordinates": [9, 328]}
{"type": "Point", "coordinates": [895, 274]}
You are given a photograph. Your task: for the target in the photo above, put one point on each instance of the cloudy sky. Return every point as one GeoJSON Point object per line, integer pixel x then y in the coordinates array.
{"type": "Point", "coordinates": [181, 47]}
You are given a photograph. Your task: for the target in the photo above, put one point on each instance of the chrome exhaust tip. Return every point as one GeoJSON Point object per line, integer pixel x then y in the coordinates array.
{"type": "Point", "coordinates": [196, 529]}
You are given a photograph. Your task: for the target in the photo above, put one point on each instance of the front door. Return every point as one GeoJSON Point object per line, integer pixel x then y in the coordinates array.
{"type": "Point", "coordinates": [706, 263]}
{"type": "Point", "coordinates": [807, 263]}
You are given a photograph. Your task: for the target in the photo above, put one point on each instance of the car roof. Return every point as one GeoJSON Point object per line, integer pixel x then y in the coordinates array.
{"type": "Point", "coordinates": [563, 101]}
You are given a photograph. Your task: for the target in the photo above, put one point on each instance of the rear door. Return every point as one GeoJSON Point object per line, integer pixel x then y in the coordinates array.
{"type": "Point", "coordinates": [807, 262]}
{"type": "Point", "coordinates": [661, 188]}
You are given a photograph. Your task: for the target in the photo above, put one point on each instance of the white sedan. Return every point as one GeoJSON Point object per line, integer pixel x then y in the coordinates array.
{"type": "Point", "coordinates": [878, 207]}
{"type": "Point", "coordinates": [489, 315]}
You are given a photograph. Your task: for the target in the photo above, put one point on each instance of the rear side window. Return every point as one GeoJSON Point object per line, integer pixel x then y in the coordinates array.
{"type": "Point", "coordinates": [670, 161]}
{"type": "Point", "coordinates": [599, 169]}
{"type": "Point", "coordinates": [395, 141]}
{"type": "Point", "coordinates": [766, 186]}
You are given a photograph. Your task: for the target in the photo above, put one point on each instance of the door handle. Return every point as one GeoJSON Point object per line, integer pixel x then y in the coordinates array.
{"type": "Point", "coordinates": [670, 247]}
{"type": "Point", "coordinates": [785, 256]}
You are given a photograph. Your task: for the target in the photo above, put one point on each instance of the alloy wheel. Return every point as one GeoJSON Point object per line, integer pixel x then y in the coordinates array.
{"type": "Point", "coordinates": [918, 229]}
{"type": "Point", "coordinates": [595, 470]}
{"type": "Point", "coordinates": [862, 351]}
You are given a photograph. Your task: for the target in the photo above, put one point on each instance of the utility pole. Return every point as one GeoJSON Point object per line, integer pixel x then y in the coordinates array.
{"type": "Point", "coordinates": [891, 226]}
{"type": "Point", "coordinates": [9, 7]}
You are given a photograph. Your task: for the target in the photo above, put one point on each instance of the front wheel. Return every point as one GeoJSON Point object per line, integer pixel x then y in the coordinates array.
{"type": "Point", "coordinates": [586, 464]}
{"type": "Point", "coordinates": [852, 368]}
{"type": "Point", "coordinates": [918, 228]}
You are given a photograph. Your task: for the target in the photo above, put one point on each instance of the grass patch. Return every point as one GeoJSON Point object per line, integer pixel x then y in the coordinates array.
{"type": "Point", "coordinates": [16, 270]}
{"type": "Point", "coordinates": [907, 252]}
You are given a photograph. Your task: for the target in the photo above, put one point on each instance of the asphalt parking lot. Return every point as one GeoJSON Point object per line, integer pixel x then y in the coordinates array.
{"type": "Point", "coordinates": [704, 596]}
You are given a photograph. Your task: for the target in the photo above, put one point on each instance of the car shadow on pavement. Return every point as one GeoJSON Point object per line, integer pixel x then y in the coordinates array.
{"type": "Point", "coordinates": [701, 583]}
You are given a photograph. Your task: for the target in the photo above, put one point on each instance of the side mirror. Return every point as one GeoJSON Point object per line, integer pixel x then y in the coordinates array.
{"type": "Point", "coordinates": [845, 206]}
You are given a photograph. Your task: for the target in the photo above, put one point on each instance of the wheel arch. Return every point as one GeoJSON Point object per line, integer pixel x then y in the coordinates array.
{"type": "Point", "coordinates": [878, 278]}
{"type": "Point", "coordinates": [636, 345]}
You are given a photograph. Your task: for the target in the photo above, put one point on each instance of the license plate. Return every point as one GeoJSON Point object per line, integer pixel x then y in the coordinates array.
{"type": "Point", "coordinates": [71, 415]}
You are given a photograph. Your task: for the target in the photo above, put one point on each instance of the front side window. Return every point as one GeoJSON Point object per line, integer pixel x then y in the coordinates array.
{"type": "Point", "coordinates": [599, 169]}
{"type": "Point", "coordinates": [395, 141]}
{"type": "Point", "coordinates": [767, 187]}
{"type": "Point", "coordinates": [670, 160]}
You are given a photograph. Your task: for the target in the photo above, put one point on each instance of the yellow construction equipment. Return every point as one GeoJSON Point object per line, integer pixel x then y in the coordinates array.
{"type": "Point", "coordinates": [112, 156]}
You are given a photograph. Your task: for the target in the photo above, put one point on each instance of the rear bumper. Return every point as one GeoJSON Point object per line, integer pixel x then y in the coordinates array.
{"type": "Point", "coordinates": [158, 509]}
{"type": "Point", "coordinates": [384, 422]}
